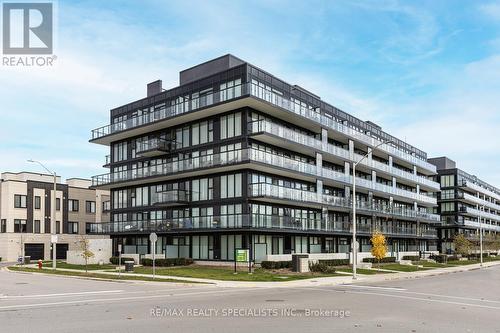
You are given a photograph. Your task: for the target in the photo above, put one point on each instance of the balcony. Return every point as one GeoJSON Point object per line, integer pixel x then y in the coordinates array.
{"type": "Point", "coordinates": [247, 222]}
{"type": "Point", "coordinates": [271, 192]}
{"type": "Point", "coordinates": [479, 201]}
{"type": "Point", "coordinates": [472, 186]}
{"type": "Point", "coordinates": [170, 198]}
{"type": "Point", "coordinates": [279, 135]}
{"type": "Point", "coordinates": [479, 213]}
{"type": "Point", "coordinates": [249, 155]}
{"type": "Point", "coordinates": [485, 226]}
{"type": "Point", "coordinates": [312, 114]}
{"type": "Point", "coordinates": [154, 147]}
{"type": "Point", "coordinates": [151, 121]}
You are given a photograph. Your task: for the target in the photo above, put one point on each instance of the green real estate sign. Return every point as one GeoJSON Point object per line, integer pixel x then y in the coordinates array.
{"type": "Point", "coordinates": [242, 255]}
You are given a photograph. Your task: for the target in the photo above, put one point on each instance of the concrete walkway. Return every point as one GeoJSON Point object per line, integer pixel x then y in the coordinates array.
{"type": "Point", "coordinates": [320, 281]}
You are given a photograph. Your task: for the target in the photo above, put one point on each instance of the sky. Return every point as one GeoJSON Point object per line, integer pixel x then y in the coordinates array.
{"type": "Point", "coordinates": [427, 72]}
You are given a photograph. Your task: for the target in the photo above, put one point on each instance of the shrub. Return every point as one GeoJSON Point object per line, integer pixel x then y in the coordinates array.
{"type": "Point", "coordinates": [335, 262]}
{"type": "Point", "coordinates": [383, 260]}
{"type": "Point", "coordinates": [275, 264]}
{"type": "Point", "coordinates": [114, 260]}
{"type": "Point", "coordinates": [440, 258]}
{"type": "Point", "coordinates": [477, 256]}
{"type": "Point", "coordinates": [412, 258]}
{"type": "Point", "coordinates": [321, 268]}
{"type": "Point", "coordinates": [167, 262]}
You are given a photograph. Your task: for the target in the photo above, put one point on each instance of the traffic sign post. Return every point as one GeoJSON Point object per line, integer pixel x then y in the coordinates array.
{"type": "Point", "coordinates": [119, 260]}
{"type": "Point", "coordinates": [153, 238]}
{"type": "Point", "coordinates": [240, 255]}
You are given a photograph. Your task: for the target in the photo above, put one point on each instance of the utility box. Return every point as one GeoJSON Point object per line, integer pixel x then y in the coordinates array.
{"type": "Point", "coordinates": [129, 266]}
{"type": "Point", "coordinates": [296, 263]}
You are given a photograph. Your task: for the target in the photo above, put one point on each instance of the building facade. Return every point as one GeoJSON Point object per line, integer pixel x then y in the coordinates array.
{"type": "Point", "coordinates": [25, 214]}
{"type": "Point", "coordinates": [464, 202]}
{"type": "Point", "coordinates": [236, 158]}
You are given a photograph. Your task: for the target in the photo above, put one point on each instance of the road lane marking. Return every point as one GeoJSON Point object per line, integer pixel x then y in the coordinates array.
{"type": "Point", "coordinates": [409, 297]}
{"type": "Point", "coordinates": [371, 287]}
{"type": "Point", "coordinates": [83, 293]}
{"type": "Point", "coordinates": [97, 300]}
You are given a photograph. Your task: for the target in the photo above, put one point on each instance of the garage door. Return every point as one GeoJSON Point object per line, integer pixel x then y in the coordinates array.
{"type": "Point", "coordinates": [61, 251]}
{"type": "Point", "coordinates": [35, 251]}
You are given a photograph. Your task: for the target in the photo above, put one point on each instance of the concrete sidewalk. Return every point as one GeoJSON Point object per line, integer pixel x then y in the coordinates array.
{"type": "Point", "coordinates": [320, 281]}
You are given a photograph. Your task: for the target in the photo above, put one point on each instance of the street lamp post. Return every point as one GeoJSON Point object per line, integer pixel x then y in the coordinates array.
{"type": "Point", "coordinates": [354, 244]}
{"type": "Point", "coordinates": [52, 214]}
{"type": "Point", "coordinates": [481, 238]}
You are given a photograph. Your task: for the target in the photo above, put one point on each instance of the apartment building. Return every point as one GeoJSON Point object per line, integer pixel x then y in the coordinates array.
{"type": "Point", "coordinates": [465, 201]}
{"type": "Point", "coordinates": [25, 214]}
{"type": "Point", "coordinates": [235, 157]}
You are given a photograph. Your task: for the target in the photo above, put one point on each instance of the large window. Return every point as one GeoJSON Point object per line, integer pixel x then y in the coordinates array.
{"type": "Point", "coordinates": [36, 227]}
{"type": "Point", "coordinates": [58, 227]}
{"type": "Point", "coordinates": [230, 125]}
{"type": "Point", "coordinates": [140, 196]}
{"type": "Point", "coordinates": [202, 132]}
{"type": "Point", "coordinates": [230, 89]}
{"type": "Point", "coordinates": [230, 186]}
{"type": "Point", "coordinates": [19, 201]}
{"type": "Point", "coordinates": [120, 151]}
{"type": "Point", "coordinates": [58, 204]}
{"type": "Point", "coordinates": [90, 207]}
{"type": "Point", "coordinates": [72, 227]}
{"type": "Point", "coordinates": [202, 189]}
{"type": "Point", "coordinates": [3, 226]}
{"type": "Point", "coordinates": [38, 202]}
{"type": "Point", "coordinates": [120, 199]}
{"type": "Point", "coordinates": [447, 180]}
{"type": "Point", "coordinates": [73, 205]}
{"type": "Point", "coordinates": [19, 225]}
{"type": "Point", "coordinates": [447, 207]}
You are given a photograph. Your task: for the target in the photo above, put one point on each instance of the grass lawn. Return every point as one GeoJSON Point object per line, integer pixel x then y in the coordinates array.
{"type": "Point", "coordinates": [428, 264]}
{"type": "Point", "coordinates": [92, 275]}
{"type": "Point", "coordinates": [363, 271]}
{"type": "Point", "coordinates": [93, 267]}
{"type": "Point", "coordinates": [403, 268]}
{"type": "Point", "coordinates": [227, 273]}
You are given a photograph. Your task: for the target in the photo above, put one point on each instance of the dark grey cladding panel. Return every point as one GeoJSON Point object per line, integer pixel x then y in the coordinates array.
{"type": "Point", "coordinates": [154, 88]}
{"type": "Point", "coordinates": [442, 163]}
{"type": "Point", "coordinates": [209, 68]}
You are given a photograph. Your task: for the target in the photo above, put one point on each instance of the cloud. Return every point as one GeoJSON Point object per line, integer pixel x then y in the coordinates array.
{"type": "Point", "coordinates": [491, 10]}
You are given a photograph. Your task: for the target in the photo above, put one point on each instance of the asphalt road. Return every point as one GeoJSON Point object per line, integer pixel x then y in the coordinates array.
{"type": "Point", "coordinates": [458, 302]}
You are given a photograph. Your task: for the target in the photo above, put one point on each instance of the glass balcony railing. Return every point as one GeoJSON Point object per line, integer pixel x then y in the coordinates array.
{"type": "Point", "coordinates": [485, 226]}
{"type": "Point", "coordinates": [154, 147]}
{"type": "Point", "coordinates": [481, 213]}
{"type": "Point", "coordinates": [244, 221]}
{"type": "Point", "coordinates": [475, 187]}
{"type": "Point", "coordinates": [164, 112]}
{"type": "Point", "coordinates": [309, 197]}
{"type": "Point", "coordinates": [170, 197]}
{"type": "Point", "coordinates": [246, 155]}
{"type": "Point", "coordinates": [480, 201]}
{"type": "Point", "coordinates": [314, 115]}
{"type": "Point", "coordinates": [309, 141]}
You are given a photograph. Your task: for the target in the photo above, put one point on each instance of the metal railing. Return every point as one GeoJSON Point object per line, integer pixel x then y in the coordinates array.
{"type": "Point", "coordinates": [243, 221]}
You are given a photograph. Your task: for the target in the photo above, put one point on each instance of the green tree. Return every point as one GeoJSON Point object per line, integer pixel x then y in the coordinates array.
{"type": "Point", "coordinates": [462, 245]}
{"type": "Point", "coordinates": [379, 246]}
{"type": "Point", "coordinates": [86, 253]}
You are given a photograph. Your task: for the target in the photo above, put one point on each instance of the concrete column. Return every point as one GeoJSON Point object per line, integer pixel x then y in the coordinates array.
{"type": "Point", "coordinates": [394, 182]}
{"type": "Point", "coordinates": [370, 153]}
{"type": "Point", "coordinates": [324, 138]}
{"type": "Point", "coordinates": [319, 163]}
{"type": "Point", "coordinates": [347, 191]}
{"type": "Point", "coordinates": [347, 168]}
{"type": "Point", "coordinates": [414, 169]}
{"type": "Point", "coordinates": [415, 206]}
{"type": "Point", "coordinates": [351, 149]}
{"type": "Point", "coordinates": [319, 190]}
{"type": "Point", "coordinates": [390, 161]}
{"type": "Point", "coordinates": [374, 176]}
{"type": "Point", "coordinates": [418, 189]}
